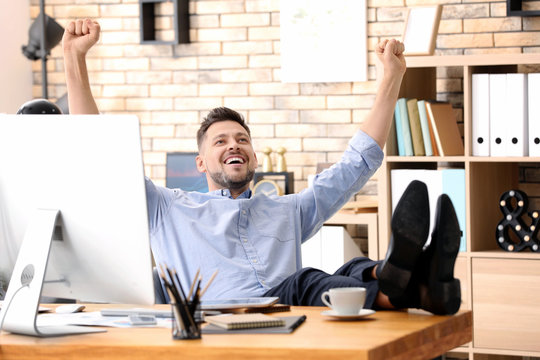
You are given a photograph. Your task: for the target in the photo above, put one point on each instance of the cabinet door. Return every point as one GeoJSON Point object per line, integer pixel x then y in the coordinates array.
{"type": "Point", "coordinates": [506, 294]}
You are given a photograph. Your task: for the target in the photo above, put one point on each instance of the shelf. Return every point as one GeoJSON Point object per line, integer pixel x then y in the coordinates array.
{"type": "Point", "coordinates": [147, 19]}
{"type": "Point", "coordinates": [483, 267]}
{"type": "Point", "coordinates": [456, 159]}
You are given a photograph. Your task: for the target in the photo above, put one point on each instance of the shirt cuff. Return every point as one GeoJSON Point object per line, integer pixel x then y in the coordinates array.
{"type": "Point", "coordinates": [368, 148]}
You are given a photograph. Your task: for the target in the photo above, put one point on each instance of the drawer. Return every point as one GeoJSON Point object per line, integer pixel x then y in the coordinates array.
{"type": "Point", "coordinates": [506, 294]}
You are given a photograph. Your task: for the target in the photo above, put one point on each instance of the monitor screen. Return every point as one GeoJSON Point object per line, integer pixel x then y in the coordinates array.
{"type": "Point", "coordinates": [182, 172]}
{"type": "Point", "coordinates": [78, 180]}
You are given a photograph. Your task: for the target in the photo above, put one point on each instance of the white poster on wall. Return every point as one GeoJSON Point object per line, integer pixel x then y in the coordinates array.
{"type": "Point", "coordinates": [323, 41]}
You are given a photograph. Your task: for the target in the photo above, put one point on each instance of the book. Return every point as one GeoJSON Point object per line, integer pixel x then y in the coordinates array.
{"type": "Point", "coordinates": [402, 118]}
{"type": "Point", "coordinates": [291, 323]}
{"type": "Point", "coordinates": [416, 127]}
{"type": "Point", "coordinates": [431, 133]}
{"type": "Point", "coordinates": [425, 127]}
{"type": "Point", "coordinates": [445, 128]}
{"type": "Point", "coordinates": [266, 310]}
{"type": "Point", "coordinates": [398, 132]}
{"type": "Point", "coordinates": [244, 321]}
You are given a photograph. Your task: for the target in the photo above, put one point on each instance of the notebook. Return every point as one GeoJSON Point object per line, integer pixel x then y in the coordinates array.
{"type": "Point", "coordinates": [291, 324]}
{"type": "Point", "coordinates": [244, 321]}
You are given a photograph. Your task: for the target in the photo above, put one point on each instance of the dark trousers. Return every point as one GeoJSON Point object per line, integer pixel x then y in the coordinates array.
{"type": "Point", "coordinates": [306, 286]}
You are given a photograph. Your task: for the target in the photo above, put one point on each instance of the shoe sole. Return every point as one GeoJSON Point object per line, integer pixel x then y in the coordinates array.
{"type": "Point", "coordinates": [410, 230]}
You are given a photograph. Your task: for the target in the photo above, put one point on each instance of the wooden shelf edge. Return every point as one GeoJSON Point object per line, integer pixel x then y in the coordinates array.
{"type": "Point", "coordinates": [472, 60]}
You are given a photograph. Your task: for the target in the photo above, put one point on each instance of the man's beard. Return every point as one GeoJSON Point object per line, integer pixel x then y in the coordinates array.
{"type": "Point", "coordinates": [222, 179]}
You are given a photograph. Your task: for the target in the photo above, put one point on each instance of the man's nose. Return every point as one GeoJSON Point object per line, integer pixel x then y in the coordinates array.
{"type": "Point", "coordinates": [233, 145]}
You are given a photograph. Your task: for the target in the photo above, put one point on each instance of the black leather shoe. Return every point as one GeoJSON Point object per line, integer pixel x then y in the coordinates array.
{"type": "Point", "coordinates": [410, 229]}
{"type": "Point", "coordinates": [440, 292]}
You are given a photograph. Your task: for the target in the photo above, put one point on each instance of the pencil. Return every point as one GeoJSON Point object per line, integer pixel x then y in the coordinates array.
{"type": "Point", "coordinates": [193, 283]}
{"type": "Point", "coordinates": [209, 282]}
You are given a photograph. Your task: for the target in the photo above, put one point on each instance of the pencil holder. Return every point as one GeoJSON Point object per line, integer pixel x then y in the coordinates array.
{"type": "Point", "coordinates": [185, 325]}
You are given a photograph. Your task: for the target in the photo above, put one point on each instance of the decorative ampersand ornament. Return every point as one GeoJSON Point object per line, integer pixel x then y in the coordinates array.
{"type": "Point", "coordinates": [512, 221]}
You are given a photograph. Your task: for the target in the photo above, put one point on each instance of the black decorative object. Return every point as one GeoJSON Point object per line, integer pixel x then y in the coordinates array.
{"type": "Point", "coordinates": [513, 221]}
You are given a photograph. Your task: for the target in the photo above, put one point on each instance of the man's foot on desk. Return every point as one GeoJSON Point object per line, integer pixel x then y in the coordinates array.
{"type": "Point", "coordinates": [433, 286]}
{"type": "Point", "coordinates": [410, 229]}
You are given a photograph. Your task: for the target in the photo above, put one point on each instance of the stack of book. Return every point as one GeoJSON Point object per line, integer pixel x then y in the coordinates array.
{"type": "Point", "coordinates": [506, 114]}
{"type": "Point", "coordinates": [426, 128]}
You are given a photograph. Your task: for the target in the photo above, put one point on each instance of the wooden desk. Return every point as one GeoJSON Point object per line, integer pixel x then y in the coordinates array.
{"type": "Point", "coordinates": [384, 335]}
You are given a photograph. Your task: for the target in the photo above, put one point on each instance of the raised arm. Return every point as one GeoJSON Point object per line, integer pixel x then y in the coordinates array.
{"type": "Point", "coordinates": [79, 37]}
{"type": "Point", "coordinates": [377, 124]}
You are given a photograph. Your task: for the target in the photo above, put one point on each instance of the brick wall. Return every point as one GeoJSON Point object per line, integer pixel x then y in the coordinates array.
{"type": "Point", "coordinates": [234, 60]}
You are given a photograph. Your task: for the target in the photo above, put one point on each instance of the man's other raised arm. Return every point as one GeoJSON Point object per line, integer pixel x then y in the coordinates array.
{"type": "Point", "coordinates": [79, 37]}
{"type": "Point", "coordinates": [377, 124]}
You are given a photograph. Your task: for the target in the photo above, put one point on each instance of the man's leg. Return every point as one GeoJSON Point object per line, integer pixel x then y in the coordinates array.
{"type": "Point", "coordinates": [306, 286]}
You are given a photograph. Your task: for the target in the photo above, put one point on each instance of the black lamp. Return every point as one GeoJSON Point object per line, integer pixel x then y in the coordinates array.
{"type": "Point", "coordinates": [44, 34]}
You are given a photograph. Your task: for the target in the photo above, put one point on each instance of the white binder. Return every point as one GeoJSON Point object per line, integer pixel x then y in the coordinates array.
{"type": "Point", "coordinates": [498, 114]}
{"type": "Point", "coordinates": [480, 115]}
{"type": "Point", "coordinates": [516, 139]}
{"type": "Point", "coordinates": [534, 114]}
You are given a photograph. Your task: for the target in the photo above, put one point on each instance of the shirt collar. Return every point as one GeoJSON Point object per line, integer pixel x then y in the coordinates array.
{"type": "Point", "coordinates": [227, 193]}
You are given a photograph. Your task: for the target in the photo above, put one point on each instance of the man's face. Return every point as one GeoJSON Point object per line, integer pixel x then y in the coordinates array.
{"type": "Point", "coordinates": [227, 157]}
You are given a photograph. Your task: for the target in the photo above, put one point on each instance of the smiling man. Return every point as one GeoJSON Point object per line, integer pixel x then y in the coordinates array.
{"type": "Point", "coordinates": [226, 154]}
{"type": "Point", "coordinates": [255, 241]}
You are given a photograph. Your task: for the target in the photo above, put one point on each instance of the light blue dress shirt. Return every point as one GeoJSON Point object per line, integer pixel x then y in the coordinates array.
{"type": "Point", "coordinates": [254, 241]}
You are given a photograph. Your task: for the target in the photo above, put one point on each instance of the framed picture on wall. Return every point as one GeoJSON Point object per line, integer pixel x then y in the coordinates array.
{"type": "Point", "coordinates": [323, 41]}
{"type": "Point", "coordinates": [421, 28]}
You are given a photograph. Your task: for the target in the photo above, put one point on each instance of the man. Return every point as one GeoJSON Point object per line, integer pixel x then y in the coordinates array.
{"type": "Point", "coordinates": [254, 241]}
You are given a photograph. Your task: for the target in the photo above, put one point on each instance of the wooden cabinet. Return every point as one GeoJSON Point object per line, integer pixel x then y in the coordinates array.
{"type": "Point", "coordinates": [500, 287]}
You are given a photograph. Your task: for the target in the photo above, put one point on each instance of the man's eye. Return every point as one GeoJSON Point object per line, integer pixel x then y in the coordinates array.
{"type": "Point", "coordinates": [219, 142]}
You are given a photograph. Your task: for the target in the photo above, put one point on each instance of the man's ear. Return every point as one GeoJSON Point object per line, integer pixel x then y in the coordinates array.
{"type": "Point", "coordinates": [200, 163]}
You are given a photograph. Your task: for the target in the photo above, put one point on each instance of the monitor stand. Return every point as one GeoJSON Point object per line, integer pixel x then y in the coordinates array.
{"type": "Point", "coordinates": [21, 304]}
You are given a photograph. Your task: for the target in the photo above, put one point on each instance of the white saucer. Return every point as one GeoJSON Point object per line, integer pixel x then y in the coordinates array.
{"type": "Point", "coordinates": [361, 314]}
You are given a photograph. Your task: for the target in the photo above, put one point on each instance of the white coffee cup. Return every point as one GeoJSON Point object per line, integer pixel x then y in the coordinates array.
{"type": "Point", "coordinates": [345, 301]}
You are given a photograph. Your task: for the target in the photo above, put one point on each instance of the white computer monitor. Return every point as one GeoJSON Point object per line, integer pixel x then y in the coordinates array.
{"type": "Point", "coordinates": [78, 180]}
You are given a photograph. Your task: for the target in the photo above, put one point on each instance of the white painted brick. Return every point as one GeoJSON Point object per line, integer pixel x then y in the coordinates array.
{"type": "Point", "coordinates": [197, 103]}
{"type": "Point", "coordinates": [326, 144]}
{"type": "Point", "coordinates": [229, 34]}
{"type": "Point", "coordinates": [301, 130]}
{"type": "Point", "coordinates": [223, 89]}
{"type": "Point", "coordinates": [157, 131]}
{"type": "Point", "coordinates": [249, 102]}
{"type": "Point", "coordinates": [300, 102]}
{"type": "Point", "coordinates": [173, 90]}
{"type": "Point", "coordinates": [273, 88]}
{"type": "Point", "coordinates": [170, 145]}
{"type": "Point", "coordinates": [175, 117]}
{"type": "Point", "coordinates": [247, 47]}
{"type": "Point", "coordinates": [149, 104]}
{"type": "Point", "coordinates": [325, 116]}
{"type": "Point", "coordinates": [273, 116]}
{"type": "Point", "coordinates": [264, 61]}
{"type": "Point", "coordinates": [248, 75]}
{"type": "Point", "coordinates": [222, 62]}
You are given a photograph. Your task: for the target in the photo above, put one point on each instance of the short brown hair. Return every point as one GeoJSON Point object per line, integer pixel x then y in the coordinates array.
{"type": "Point", "coordinates": [216, 115]}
